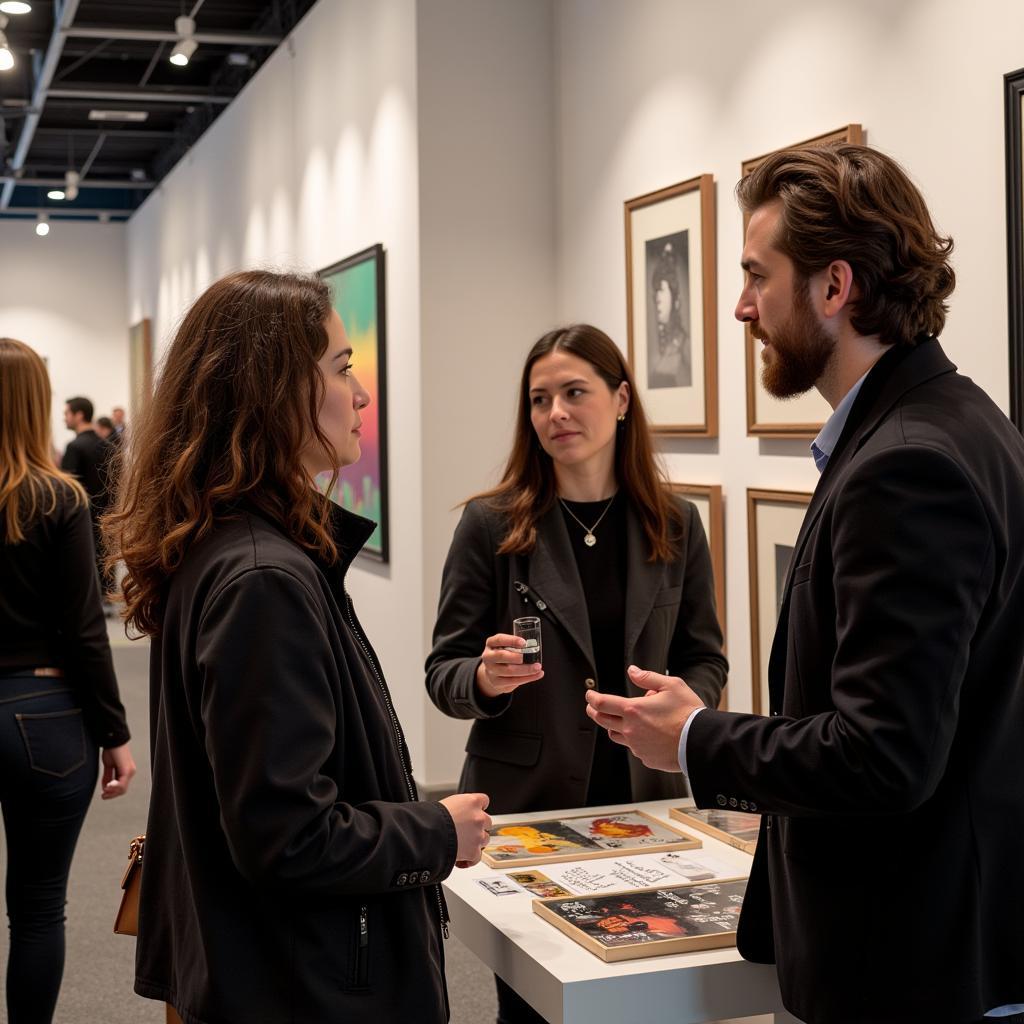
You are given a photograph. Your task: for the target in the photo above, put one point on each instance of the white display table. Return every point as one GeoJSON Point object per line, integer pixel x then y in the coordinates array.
{"type": "Point", "coordinates": [568, 985]}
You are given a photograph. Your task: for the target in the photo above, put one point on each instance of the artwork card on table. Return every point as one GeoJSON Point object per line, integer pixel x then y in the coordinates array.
{"type": "Point", "coordinates": [737, 828]}
{"type": "Point", "coordinates": [499, 885]}
{"type": "Point", "coordinates": [585, 878]}
{"type": "Point", "coordinates": [539, 884]}
{"type": "Point", "coordinates": [650, 922]}
{"type": "Point", "coordinates": [520, 843]}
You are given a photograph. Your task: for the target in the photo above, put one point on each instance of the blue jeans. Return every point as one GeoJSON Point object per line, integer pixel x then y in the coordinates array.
{"type": "Point", "coordinates": [48, 770]}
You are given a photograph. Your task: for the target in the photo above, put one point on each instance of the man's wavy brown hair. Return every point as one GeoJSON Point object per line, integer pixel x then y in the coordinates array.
{"type": "Point", "coordinates": [235, 405]}
{"type": "Point", "coordinates": [527, 487]}
{"type": "Point", "coordinates": [852, 203]}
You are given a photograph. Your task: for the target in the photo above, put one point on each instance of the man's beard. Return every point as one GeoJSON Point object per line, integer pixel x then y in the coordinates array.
{"type": "Point", "coordinates": [802, 349]}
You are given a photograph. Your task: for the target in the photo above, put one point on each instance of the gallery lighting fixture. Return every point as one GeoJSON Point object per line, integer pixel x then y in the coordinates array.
{"type": "Point", "coordinates": [118, 115]}
{"type": "Point", "coordinates": [42, 225]}
{"type": "Point", "coordinates": [6, 57]}
{"type": "Point", "coordinates": [56, 193]}
{"type": "Point", "coordinates": [71, 180]}
{"type": "Point", "coordinates": [185, 28]}
{"type": "Point", "coordinates": [15, 7]}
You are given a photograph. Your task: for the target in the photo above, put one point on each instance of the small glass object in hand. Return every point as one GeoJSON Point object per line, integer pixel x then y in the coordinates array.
{"type": "Point", "coordinates": [528, 628]}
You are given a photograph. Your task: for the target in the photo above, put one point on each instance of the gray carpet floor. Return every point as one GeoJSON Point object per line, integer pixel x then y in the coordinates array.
{"type": "Point", "coordinates": [98, 973]}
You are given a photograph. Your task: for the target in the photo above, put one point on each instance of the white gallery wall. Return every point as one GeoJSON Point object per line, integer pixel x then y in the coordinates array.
{"type": "Point", "coordinates": [65, 295]}
{"type": "Point", "coordinates": [658, 91]}
{"type": "Point", "coordinates": [402, 123]}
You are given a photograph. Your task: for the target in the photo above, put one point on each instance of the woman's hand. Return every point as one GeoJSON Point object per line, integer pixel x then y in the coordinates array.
{"type": "Point", "coordinates": [118, 769]}
{"type": "Point", "coordinates": [469, 813]}
{"type": "Point", "coordinates": [502, 670]}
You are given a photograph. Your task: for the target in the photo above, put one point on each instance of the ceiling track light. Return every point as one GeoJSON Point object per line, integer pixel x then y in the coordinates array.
{"type": "Point", "coordinates": [6, 57]}
{"type": "Point", "coordinates": [71, 180]}
{"type": "Point", "coordinates": [42, 225]}
{"type": "Point", "coordinates": [185, 29]}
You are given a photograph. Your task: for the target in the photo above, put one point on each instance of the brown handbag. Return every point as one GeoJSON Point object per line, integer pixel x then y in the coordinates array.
{"type": "Point", "coordinates": [127, 920]}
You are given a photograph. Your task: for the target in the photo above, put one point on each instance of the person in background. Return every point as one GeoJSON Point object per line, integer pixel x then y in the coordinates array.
{"type": "Point", "coordinates": [105, 429]}
{"type": "Point", "coordinates": [896, 733]}
{"type": "Point", "coordinates": [583, 533]}
{"type": "Point", "coordinates": [59, 702]}
{"type": "Point", "coordinates": [87, 458]}
{"type": "Point", "coordinates": [118, 419]}
{"type": "Point", "coordinates": [291, 873]}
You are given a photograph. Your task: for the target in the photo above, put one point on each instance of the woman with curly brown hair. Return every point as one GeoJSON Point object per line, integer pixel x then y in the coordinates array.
{"type": "Point", "coordinates": [59, 702]}
{"type": "Point", "coordinates": [291, 874]}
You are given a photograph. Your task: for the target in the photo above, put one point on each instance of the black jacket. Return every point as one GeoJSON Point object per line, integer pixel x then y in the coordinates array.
{"type": "Point", "coordinates": [51, 615]}
{"type": "Point", "coordinates": [87, 457]}
{"type": "Point", "coordinates": [290, 874]}
{"type": "Point", "coordinates": [532, 750]}
{"type": "Point", "coordinates": [888, 881]}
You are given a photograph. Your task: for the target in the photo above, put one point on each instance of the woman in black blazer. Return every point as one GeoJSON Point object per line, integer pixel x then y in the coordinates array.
{"type": "Point", "coordinates": [583, 533]}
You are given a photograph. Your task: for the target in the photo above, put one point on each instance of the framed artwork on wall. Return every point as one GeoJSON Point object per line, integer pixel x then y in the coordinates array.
{"type": "Point", "coordinates": [357, 284]}
{"type": "Point", "coordinates": [140, 364]}
{"type": "Point", "coordinates": [671, 314]}
{"type": "Point", "coordinates": [804, 415]}
{"type": "Point", "coordinates": [708, 499]}
{"type": "Point", "coordinates": [773, 525]}
{"type": "Point", "coordinates": [1013, 95]}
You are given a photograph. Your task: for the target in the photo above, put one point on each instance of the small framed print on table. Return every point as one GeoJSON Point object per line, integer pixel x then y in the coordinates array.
{"type": "Point", "coordinates": [671, 313]}
{"type": "Point", "coordinates": [804, 415]}
{"type": "Point", "coordinates": [650, 922]}
{"type": "Point", "coordinates": [773, 525]}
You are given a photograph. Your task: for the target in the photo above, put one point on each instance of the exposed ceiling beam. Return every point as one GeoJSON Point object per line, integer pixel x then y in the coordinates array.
{"type": "Point", "coordinates": [160, 36]}
{"type": "Point", "coordinates": [23, 212]}
{"type": "Point", "coordinates": [142, 96]}
{"type": "Point", "coordinates": [113, 133]}
{"type": "Point", "coordinates": [63, 17]}
{"type": "Point", "coordinates": [12, 180]}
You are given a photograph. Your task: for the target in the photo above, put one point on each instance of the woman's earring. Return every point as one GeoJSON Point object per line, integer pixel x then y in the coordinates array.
{"type": "Point", "coordinates": [622, 417]}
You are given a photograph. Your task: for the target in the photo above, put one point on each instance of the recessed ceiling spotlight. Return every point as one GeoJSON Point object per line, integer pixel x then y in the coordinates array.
{"type": "Point", "coordinates": [6, 57]}
{"type": "Point", "coordinates": [15, 7]}
{"type": "Point", "coordinates": [42, 225]}
{"type": "Point", "coordinates": [55, 193]}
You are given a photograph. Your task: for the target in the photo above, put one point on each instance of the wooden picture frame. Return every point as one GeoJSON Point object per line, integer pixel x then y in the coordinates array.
{"type": "Point", "coordinates": [140, 365]}
{"type": "Point", "coordinates": [804, 415]}
{"type": "Point", "coordinates": [357, 285]}
{"type": "Point", "coordinates": [774, 519]}
{"type": "Point", "coordinates": [671, 306]}
{"type": "Point", "coordinates": [1013, 104]}
{"type": "Point", "coordinates": [650, 922]}
{"type": "Point", "coordinates": [582, 837]}
{"type": "Point", "coordinates": [708, 500]}
{"type": "Point", "coordinates": [738, 828]}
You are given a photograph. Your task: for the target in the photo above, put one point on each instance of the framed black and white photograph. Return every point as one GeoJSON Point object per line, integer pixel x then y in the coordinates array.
{"type": "Point", "coordinates": [670, 301]}
{"type": "Point", "coordinates": [773, 525]}
{"type": "Point", "coordinates": [803, 415]}
{"type": "Point", "coordinates": [1013, 102]}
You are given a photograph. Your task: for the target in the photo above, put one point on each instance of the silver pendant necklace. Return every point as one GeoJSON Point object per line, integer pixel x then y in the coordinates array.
{"type": "Point", "coordinates": [588, 531]}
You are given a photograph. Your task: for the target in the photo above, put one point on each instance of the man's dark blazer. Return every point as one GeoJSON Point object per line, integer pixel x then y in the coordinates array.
{"type": "Point", "coordinates": [888, 883]}
{"type": "Point", "coordinates": [532, 750]}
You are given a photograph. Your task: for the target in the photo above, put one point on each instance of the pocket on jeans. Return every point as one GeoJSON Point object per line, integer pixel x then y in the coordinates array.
{"type": "Point", "coordinates": [55, 742]}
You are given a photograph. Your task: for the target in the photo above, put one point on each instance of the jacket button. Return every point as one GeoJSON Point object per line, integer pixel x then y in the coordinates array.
{"type": "Point", "coordinates": [744, 805]}
{"type": "Point", "coordinates": [402, 879]}
{"type": "Point", "coordinates": [589, 683]}
{"type": "Point", "coordinates": [733, 802]}
{"type": "Point", "coordinates": [721, 800]}
{"type": "Point", "coordinates": [424, 876]}
{"type": "Point", "coordinates": [541, 606]}
{"type": "Point", "coordinates": [753, 808]}
{"type": "Point", "coordinates": [414, 877]}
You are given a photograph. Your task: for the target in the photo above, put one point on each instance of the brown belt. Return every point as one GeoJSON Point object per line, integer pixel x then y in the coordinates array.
{"type": "Point", "coordinates": [53, 673]}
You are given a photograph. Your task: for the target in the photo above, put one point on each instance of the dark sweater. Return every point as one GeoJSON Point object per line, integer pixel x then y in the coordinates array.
{"type": "Point", "coordinates": [51, 615]}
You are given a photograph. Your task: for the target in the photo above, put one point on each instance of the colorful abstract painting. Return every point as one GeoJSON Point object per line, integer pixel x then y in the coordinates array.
{"type": "Point", "coordinates": [357, 284]}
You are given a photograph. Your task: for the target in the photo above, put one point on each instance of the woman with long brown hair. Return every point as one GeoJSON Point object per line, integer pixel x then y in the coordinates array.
{"type": "Point", "coordinates": [59, 703]}
{"type": "Point", "coordinates": [290, 871]}
{"type": "Point", "coordinates": [582, 533]}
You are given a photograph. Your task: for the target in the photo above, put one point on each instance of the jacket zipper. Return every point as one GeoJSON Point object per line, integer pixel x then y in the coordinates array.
{"type": "Point", "coordinates": [362, 959]}
{"type": "Point", "coordinates": [406, 774]}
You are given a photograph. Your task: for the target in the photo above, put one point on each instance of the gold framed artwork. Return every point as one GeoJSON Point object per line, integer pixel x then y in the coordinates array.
{"type": "Point", "coordinates": [140, 364]}
{"type": "Point", "coordinates": [579, 837]}
{"type": "Point", "coordinates": [672, 320]}
{"type": "Point", "coordinates": [708, 500]}
{"type": "Point", "coordinates": [773, 525]}
{"type": "Point", "coordinates": [737, 828]}
{"type": "Point", "coordinates": [650, 922]}
{"type": "Point", "coordinates": [804, 415]}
